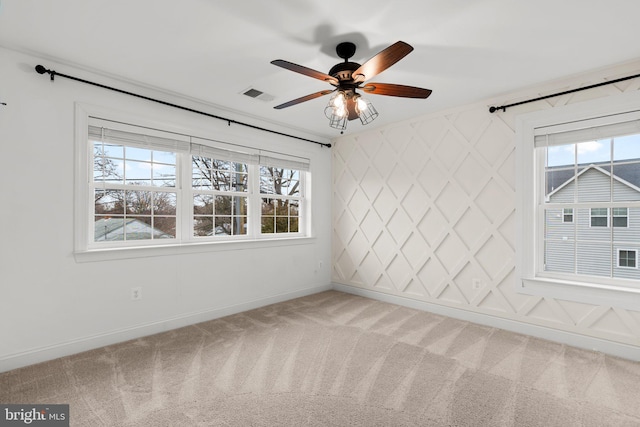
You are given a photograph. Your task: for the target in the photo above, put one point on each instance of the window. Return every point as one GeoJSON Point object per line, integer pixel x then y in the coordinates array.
{"type": "Point", "coordinates": [147, 187]}
{"type": "Point", "coordinates": [280, 193]}
{"type": "Point", "coordinates": [627, 258]}
{"type": "Point", "coordinates": [581, 169]}
{"type": "Point", "coordinates": [567, 215]}
{"type": "Point", "coordinates": [578, 191]}
{"type": "Point", "coordinates": [599, 217]}
{"type": "Point", "coordinates": [620, 217]}
{"type": "Point", "coordinates": [219, 197]}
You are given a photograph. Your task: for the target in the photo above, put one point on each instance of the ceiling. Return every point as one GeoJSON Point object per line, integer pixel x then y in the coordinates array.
{"type": "Point", "coordinates": [214, 50]}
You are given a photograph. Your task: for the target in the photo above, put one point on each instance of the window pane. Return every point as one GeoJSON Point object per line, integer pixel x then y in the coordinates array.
{"type": "Point", "coordinates": [293, 225]}
{"type": "Point", "coordinates": [202, 204]}
{"type": "Point", "coordinates": [626, 147]}
{"type": "Point", "coordinates": [267, 207]}
{"type": "Point", "coordinates": [239, 205]}
{"type": "Point", "coordinates": [109, 202]}
{"type": "Point", "coordinates": [561, 155]}
{"type": "Point", "coordinates": [597, 221]}
{"type": "Point", "coordinates": [556, 228]}
{"type": "Point", "coordinates": [268, 225]}
{"type": "Point", "coordinates": [138, 228]}
{"type": "Point", "coordinates": [223, 225]}
{"type": "Point", "coordinates": [282, 207]}
{"type": "Point", "coordinates": [139, 202]}
{"type": "Point", "coordinates": [559, 256]}
{"type": "Point", "coordinates": [137, 173]}
{"type": "Point", "coordinates": [164, 227]}
{"type": "Point", "coordinates": [594, 152]}
{"type": "Point", "coordinates": [164, 175]}
{"type": "Point", "coordinates": [240, 225]}
{"type": "Point", "coordinates": [164, 157]}
{"type": "Point", "coordinates": [282, 225]}
{"type": "Point", "coordinates": [203, 226]}
{"type": "Point", "coordinates": [594, 258]}
{"type": "Point", "coordinates": [223, 205]}
{"type": "Point", "coordinates": [626, 175]}
{"type": "Point", "coordinates": [164, 203]}
{"type": "Point", "coordinates": [108, 229]}
{"type": "Point", "coordinates": [107, 170]}
{"type": "Point", "coordinates": [279, 181]}
{"type": "Point", "coordinates": [560, 172]}
{"type": "Point", "coordinates": [627, 258]}
{"type": "Point", "coordinates": [133, 153]}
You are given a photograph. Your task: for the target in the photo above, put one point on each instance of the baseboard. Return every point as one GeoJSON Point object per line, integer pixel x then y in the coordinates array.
{"type": "Point", "coordinates": [613, 348]}
{"type": "Point", "coordinates": [43, 354]}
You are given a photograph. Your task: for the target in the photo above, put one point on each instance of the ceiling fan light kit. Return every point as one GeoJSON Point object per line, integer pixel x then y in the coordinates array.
{"type": "Point", "coordinates": [346, 104]}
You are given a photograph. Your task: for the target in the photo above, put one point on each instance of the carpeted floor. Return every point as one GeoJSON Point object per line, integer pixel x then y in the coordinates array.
{"type": "Point", "coordinates": [335, 359]}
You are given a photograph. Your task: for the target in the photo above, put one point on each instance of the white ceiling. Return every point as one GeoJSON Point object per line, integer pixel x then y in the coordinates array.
{"type": "Point", "coordinates": [213, 50]}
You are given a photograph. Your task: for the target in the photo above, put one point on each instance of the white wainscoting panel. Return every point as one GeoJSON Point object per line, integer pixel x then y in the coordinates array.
{"type": "Point", "coordinates": [425, 209]}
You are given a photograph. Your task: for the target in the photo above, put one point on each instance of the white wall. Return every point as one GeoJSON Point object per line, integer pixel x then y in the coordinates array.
{"type": "Point", "coordinates": [424, 210]}
{"type": "Point", "coordinates": [50, 305]}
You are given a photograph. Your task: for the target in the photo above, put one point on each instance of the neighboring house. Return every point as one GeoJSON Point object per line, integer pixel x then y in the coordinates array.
{"type": "Point", "coordinates": [597, 241]}
{"type": "Point", "coordinates": [113, 229]}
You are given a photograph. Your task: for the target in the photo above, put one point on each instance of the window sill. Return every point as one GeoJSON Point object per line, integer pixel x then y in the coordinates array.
{"type": "Point", "coordinates": [588, 293]}
{"type": "Point", "coordinates": [108, 254]}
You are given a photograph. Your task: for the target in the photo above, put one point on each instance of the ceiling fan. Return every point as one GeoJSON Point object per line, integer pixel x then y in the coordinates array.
{"type": "Point", "coordinates": [347, 77]}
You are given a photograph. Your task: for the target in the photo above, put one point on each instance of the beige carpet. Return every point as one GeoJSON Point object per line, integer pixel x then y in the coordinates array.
{"type": "Point", "coordinates": [335, 359]}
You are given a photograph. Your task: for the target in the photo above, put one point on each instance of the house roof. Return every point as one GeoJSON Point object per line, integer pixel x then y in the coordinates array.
{"type": "Point", "coordinates": [105, 226]}
{"type": "Point", "coordinates": [625, 173]}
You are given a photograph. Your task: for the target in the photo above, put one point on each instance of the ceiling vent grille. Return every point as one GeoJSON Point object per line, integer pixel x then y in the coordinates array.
{"type": "Point", "coordinates": [258, 94]}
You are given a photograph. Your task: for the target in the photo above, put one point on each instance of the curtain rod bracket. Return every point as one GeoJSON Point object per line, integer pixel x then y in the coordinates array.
{"type": "Point", "coordinates": [40, 69]}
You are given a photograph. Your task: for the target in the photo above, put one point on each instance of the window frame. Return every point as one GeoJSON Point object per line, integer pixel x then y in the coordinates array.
{"type": "Point", "coordinates": [86, 250]}
{"type": "Point", "coordinates": [624, 293]}
{"type": "Point", "coordinates": [635, 251]}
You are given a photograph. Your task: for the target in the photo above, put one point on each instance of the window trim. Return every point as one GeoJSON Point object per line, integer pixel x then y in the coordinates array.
{"type": "Point", "coordinates": [83, 171]}
{"type": "Point", "coordinates": [621, 292]}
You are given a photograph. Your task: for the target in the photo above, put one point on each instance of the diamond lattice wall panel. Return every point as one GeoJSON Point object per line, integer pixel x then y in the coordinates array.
{"type": "Point", "coordinates": [425, 209]}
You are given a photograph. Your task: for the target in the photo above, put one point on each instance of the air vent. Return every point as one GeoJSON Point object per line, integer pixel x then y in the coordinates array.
{"type": "Point", "coordinates": [258, 94]}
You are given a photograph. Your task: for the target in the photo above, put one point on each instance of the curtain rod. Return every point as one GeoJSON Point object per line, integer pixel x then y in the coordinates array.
{"type": "Point", "coordinates": [504, 107]}
{"type": "Point", "coordinates": [40, 69]}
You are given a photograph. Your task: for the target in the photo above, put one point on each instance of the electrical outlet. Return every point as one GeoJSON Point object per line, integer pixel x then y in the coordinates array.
{"type": "Point", "coordinates": [476, 283]}
{"type": "Point", "coordinates": [136, 293]}
{"type": "Point", "coordinates": [319, 265]}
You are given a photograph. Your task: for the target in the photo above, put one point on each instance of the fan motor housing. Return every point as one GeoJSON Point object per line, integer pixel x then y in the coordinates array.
{"type": "Point", "coordinates": [344, 70]}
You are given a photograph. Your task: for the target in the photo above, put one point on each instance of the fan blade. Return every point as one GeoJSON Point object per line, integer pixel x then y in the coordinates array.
{"type": "Point", "coordinates": [306, 71]}
{"type": "Point", "coordinates": [382, 61]}
{"type": "Point", "coordinates": [303, 99]}
{"type": "Point", "coordinates": [396, 90]}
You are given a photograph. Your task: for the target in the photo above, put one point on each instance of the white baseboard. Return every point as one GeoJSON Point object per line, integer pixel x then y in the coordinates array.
{"type": "Point", "coordinates": [43, 354]}
{"type": "Point", "coordinates": [613, 348]}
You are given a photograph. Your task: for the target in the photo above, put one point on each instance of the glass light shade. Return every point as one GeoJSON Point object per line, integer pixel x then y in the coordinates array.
{"type": "Point", "coordinates": [336, 121]}
{"type": "Point", "coordinates": [365, 109]}
{"type": "Point", "coordinates": [336, 111]}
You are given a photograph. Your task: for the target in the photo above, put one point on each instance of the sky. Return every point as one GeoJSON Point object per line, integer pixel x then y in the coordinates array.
{"type": "Point", "coordinates": [624, 148]}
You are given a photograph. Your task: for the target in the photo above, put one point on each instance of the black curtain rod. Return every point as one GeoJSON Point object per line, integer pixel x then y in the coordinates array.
{"type": "Point", "coordinates": [504, 107]}
{"type": "Point", "coordinates": [41, 70]}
